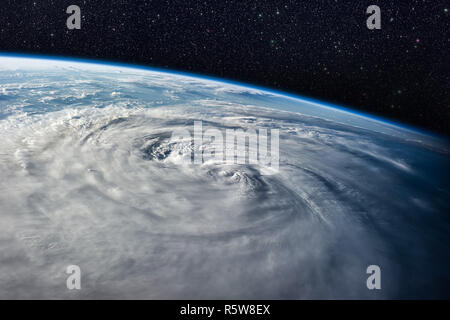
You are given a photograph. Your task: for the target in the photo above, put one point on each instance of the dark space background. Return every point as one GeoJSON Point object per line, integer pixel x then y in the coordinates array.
{"type": "Point", "coordinates": [318, 49]}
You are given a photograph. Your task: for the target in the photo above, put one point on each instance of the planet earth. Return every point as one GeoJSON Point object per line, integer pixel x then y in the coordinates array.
{"type": "Point", "coordinates": [91, 177]}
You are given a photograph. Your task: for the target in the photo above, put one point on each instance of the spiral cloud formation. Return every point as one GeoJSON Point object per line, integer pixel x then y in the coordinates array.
{"type": "Point", "coordinates": [92, 175]}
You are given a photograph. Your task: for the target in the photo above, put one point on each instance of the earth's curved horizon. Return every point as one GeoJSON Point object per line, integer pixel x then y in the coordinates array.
{"type": "Point", "coordinates": [90, 177]}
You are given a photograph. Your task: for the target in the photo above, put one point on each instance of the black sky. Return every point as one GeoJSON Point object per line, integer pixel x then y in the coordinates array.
{"type": "Point", "coordinates": [319, 49]}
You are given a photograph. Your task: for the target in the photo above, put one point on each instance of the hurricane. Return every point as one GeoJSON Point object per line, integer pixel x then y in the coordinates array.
{"type": "Point", "coordinates": [93, 175]}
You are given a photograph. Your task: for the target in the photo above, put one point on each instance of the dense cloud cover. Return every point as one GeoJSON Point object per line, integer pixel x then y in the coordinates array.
{"type": "Point", "coordinates": [90, 176]}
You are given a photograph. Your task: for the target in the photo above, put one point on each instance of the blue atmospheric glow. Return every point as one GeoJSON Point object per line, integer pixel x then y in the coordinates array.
{"type": "Point", "coordinates": [228, 81]}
